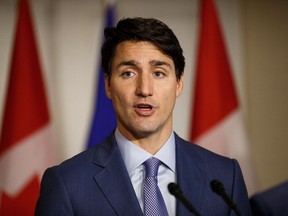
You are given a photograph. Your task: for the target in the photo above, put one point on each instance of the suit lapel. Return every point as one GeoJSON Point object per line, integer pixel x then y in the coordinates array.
{"type": "Point", "coordinates": [190, 176]}
{"type": "Point", "coordinates": [113, 180]}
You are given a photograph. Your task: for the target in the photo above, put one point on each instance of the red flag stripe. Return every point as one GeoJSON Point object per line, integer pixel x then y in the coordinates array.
{"type": "Point", "coordinates": [215, 95]}
{"type": "Point", "coordinates": [18, 205]}
{"type": "Point", "coordinates": [26, 107]}
{"type": "Point", "coordinates": [25, 142]}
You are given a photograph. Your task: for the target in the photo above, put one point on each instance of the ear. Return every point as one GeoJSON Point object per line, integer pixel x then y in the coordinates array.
{"type": "Point", "coordinates": [107, 86]}
{"type": "Point", "coordinates": [179, 87]}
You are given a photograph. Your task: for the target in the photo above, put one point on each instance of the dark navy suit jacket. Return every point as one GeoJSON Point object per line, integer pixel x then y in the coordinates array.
{"type": "Point", "coordinates": [96, 182]}
{"type": "Point", "coordinates": [272, 202]}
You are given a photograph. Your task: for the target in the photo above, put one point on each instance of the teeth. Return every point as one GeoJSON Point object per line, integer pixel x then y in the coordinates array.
{"type": "Point", "coordinates": [144, 107]}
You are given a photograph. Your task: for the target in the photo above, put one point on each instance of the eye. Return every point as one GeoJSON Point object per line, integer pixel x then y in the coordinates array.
{"type": "Point", "coordinates": [127, 74]}
{"type": "Point", "coordinates": [159, 74]}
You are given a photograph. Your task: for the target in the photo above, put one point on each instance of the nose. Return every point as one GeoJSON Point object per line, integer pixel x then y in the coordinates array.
{"type": "Point", "coordinates": [144, 85]}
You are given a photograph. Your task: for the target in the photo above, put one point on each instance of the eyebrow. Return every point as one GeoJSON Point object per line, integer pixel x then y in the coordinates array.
{"type": "Point", "coordinates": [153, 63]}
{"type": "Point", "coordinates": [127, 63]}
{"type": "Point", "coordinates": [160, 63]}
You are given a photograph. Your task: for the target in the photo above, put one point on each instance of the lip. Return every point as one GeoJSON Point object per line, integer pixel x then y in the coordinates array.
{"type": "Point", "coordinates": [144, 109]}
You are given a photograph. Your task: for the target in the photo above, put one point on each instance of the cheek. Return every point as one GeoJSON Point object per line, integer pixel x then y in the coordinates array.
{"type": "Point", "coordinates": [119, 94]}
{"type": "Point", "coordinates": [170, 97]}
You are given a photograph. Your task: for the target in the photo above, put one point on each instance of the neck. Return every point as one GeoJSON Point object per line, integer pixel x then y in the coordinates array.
{"type": "Point", "coordinates": [151, 142]}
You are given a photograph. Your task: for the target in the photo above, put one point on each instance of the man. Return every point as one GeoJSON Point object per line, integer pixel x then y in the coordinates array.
{"type": "Point", "coordinates": [143, 65]}
{"type": "Point", "coordinates": [271, 202]}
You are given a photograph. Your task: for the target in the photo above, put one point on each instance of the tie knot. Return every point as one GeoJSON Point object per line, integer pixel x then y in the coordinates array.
{"type": "Point", "coordinates": [151, 166]}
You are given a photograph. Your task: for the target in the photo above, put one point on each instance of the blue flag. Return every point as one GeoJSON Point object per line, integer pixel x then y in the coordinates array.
{"type": "Point", "coordinates": [104, 118]}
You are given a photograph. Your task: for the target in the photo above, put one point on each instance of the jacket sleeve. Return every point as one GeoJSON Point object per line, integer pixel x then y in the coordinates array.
{"type": "Point", "coordinates": [53, 198]}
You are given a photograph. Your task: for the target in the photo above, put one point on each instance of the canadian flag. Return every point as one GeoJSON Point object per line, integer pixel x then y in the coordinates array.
{"type": "Point", "coordinates": [217, 123]}
{"type": "Point", "coordinates": [25, 143]}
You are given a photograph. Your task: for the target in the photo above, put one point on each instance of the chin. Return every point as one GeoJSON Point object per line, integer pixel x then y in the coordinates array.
{"type": "Point", "coordinates": [146, 131]}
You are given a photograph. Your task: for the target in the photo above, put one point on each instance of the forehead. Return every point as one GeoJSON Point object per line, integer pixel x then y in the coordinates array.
{"type": "Point", "coordinates": [140, 51]}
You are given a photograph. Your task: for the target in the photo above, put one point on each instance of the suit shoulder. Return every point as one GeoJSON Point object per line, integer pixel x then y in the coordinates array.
{"type": "Point", "coordinates": [214, 164]}
{"type": "Point", "coordinates": [272, 200]}
{"type": "Point", "coordinates": [199, 151]}
{"type": "Point", "coordinates": [85, 161]}
{"type": "Point", "coordinates": [75, 163]}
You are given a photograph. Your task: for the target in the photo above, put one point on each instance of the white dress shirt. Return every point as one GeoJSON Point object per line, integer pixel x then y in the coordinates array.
{"type": "Point", "coordinates": [134, 157]}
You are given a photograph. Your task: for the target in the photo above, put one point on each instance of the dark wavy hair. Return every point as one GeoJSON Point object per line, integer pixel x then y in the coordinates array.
{"type": "Point", "coordinates": [142, 29]}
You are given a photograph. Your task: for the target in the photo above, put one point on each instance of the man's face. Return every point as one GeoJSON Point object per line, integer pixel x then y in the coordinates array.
{"type": "Point", "coordinates": [143, 88]}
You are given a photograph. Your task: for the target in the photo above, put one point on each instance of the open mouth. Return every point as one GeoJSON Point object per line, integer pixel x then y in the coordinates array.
{"type": "Point", "coordinates": [144, 106]}
{"type": "Point", "coordinates": [143, 109]}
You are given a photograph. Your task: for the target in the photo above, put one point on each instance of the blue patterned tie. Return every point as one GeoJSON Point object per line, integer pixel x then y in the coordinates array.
{"type": "Point", "coordinates": [154, 204]}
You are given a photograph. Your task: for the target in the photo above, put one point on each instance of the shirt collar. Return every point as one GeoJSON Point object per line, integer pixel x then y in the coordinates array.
{"type": "Point", "coordinates": [134, 156]}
